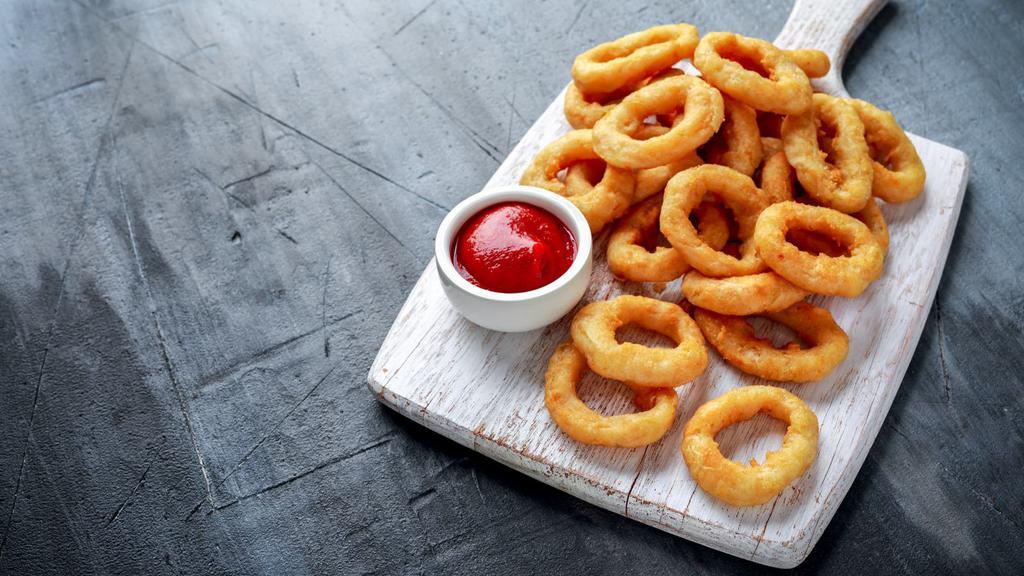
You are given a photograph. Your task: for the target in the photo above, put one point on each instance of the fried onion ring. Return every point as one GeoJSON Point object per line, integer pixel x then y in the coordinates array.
{"type": "Point", "coordinates": [629, 258]}
{"type": "Point", "coordinates": [733, 337]}
{"type": "Point", "coordinates": [769, 144]}
{"type": "Point", "coordinates": [845, 183]}
{"type": "Point", "coordinates": [584, 110]}
{"type": "Point", "coordinates": [777, 178]}
{"type": "Point", "coordinates": [783, 88]}
{"type": "Point", "coordinates": [631, 58]}
{"type": "Point", "coordinates": [873, 218]}
{"type": "Point", "coordinates": [741, 295]}
{"type": "Point", "coordinates": [593, 332]}
{"type": "Point", "coordinates": [822, 274]}
{"type": "Point", "coordinates": [651, 181]}
{"type": "Point", "coordinates": [685, 191]}
{"type": "Point", "coordinates": [608, 200]}
{"type": "Point", "coordinates": [582, 424]}
{"type": "Point", "coordinates": [814, 63]}
{"type": "Point", "coordinates": [738, 141]}
{"type": "Point", "coordinates": [616, 137]}
{"type": "Point", "coordinates": [739, 484]}
{"type": "Point", "coordinates": [898, 171]}
{"type": "Point", "coordinates": [777, 182]}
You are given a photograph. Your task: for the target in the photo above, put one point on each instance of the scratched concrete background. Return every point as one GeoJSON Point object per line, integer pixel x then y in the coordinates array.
{"type": "Point", "coordinates": [212, 211]}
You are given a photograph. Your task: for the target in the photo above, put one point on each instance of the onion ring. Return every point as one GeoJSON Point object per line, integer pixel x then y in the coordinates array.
{"type": "Point", "coordinates": [733, 337]}
{"type": "Point", "coordinates": [651, 181]}
{"type": "Point", "coordinates": [616, 134]}
{"type": "Point", "coordinates": [581, 177]}
{"type": "Point", "coordinates": [814, 63]}
{"type": "Point", "coordinates": [898, 172]}
{"type": "Point", "coordinates": [736, 483]}
{"type": "Point", "coordinates": [738, 141]}
{"type": "Point", "coordinates": [685, 191]}
{"type": "Point", "coordinates": [608, 200]}
{"type": "Point", "coordinates": [783, 89]}
{"type": "Point", "coordinates": [769, 144]}
{"type": "Point", "coordinates": [593, 332]}
{"type": "Point", "coordinates": [584, 110]}
{"type": "Point", "coordinates": [582, 424]}
{"type": "Point", "coordinates": [777, 182]}
{"type": "Point", "coordinates": [777, 178]}
{"type": "Point", "coordinates": [741, 295]}
{"type": "Point", "coordinates": [822, 274]}
{"type": "Point", "coordinates": [628, 258]}
{"type": "Point", "coordinates": [816, 243]}
{"type": "Point", "coordinates": [873, 218]}
{"type": "Point", "coordinates": [631, 58]}
{"type": "Point", "coordinates": [846, 184]}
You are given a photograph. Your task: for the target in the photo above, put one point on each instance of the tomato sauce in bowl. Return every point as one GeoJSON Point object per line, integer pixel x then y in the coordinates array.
{"type": "Point", "coordinates": [513, 247]}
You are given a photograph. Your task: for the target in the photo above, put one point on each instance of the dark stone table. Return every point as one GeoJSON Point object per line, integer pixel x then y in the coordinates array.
{"type": "Point", "coordinates": [210, 213]}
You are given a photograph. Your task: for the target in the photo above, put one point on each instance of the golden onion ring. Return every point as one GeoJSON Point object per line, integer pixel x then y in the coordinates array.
{"type": "Point", "coordinates": [629, 258]}
{"type": "Point", "coordinates": [608, 200]}
{"type": "Point", "coordinates": [685, 191]}
{"type": "Point", "coordinates": [814, 63]}
{"type": "Point", "coordinates": [739, 484]}
{"type": "Point", "coordinates": [845, 183]}
{"type": "Point", "coordinates": [898, 172]}
{"type": "Point", "coordinates": [737, 144]}
{"type": "Point", "coordinates": [584, 110]}
{"type": "Point", "coordinates": [616, 134]}
{"type": "Point", "coordinates": [582, 424]}
{"type": "Point", "coordinates": [651, 181]}
{"type": "Point", "coordinates": [734, 338]}
{"type": "Point", "coordinates": [821, 274]}
{"type": "Point", "coordinates": [741, 295]}
{"type": "Point", "coordinates": [593, 332]}
{"type": "Point", "coordinates": [610, 66]}
{"type": "Point", "coordinates": [777, 178]}
{"type": "Point", "coordinates": [782, 89]}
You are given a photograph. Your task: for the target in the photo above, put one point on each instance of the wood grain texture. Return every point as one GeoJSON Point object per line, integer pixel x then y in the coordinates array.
{"type": "Point", "coordinates": [107, 229]}
{"type": "Point", "coordinates": [485, 389]}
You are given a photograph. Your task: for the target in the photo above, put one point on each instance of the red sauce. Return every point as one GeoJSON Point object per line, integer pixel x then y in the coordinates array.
{"type": "Point", "coordinates": [513, 247]}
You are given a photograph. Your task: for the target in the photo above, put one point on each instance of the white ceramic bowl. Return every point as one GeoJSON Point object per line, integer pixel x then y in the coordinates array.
{"type": "Point", "coordinates": [520, 311]}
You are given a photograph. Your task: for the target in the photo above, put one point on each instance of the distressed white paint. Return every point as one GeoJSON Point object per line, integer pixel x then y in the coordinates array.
{"type": "Point", "coordinates": [485, 389]}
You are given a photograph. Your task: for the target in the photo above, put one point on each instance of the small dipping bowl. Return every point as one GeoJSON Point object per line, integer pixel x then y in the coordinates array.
{"type": "Point", "coordinates": [520, 311]}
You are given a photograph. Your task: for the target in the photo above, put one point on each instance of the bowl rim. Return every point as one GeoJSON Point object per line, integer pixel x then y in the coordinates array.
{"type": "Point", "coordinates": [564, 210]}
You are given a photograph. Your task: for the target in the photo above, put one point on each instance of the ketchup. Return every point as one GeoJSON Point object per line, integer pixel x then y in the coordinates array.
{"type": "Point", "coordinates": [513, 247]}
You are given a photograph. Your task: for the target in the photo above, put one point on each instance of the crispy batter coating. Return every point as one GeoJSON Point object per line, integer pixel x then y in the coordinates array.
{"type": "Point", "coordinates": [749, 485]}
{"type": "Point", "coordinates": [628, 256]}
{"type": "Point", "coordinates": [610, 66]}
{"type": "Point", "coordinates": [741, 295]}
{"type": "Point", "coordinates": [593, 332]}
{"type": "Point", "coordinates": [616, 137]}
{"type": "Point", "coordinates": [783, 88]}
{"type": "Point", "coordinates": [827, 149]}
{"type": "Point", "coordinates": [737, 144]}
{"type": "Point", "coordinates": [814, 63]}
{"type": "Point", "coordinates": [898, 172]}
{"type": "Point", "coordinates": [821, 273]}
{"type": "Point", "coordinates": [777, 178]}
{"type": "Point", "coordinates": [608, 200]}
{"type": "Point", "coordinates": [685, 191]}
{"type": "Point", "coordinates": [733, 337]}
{"type": "Point", "coordinates": [582, 424]}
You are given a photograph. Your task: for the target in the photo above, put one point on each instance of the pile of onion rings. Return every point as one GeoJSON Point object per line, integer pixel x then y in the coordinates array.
{"type": "Point", "coordinates": [754, 190]}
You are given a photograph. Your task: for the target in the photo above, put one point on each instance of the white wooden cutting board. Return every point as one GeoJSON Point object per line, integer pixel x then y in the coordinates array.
{"type": "Point", "coordinates": [485, 389]}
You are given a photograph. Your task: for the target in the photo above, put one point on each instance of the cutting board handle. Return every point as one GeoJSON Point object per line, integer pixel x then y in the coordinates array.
{"type": "Point", "coordinates": [830, 26]}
